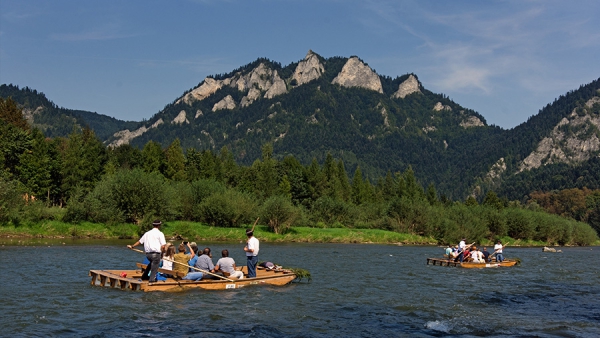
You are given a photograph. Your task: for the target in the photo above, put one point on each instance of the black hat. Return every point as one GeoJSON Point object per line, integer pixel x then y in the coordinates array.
{"type": "Point", "coordinates": [156, 223]}
{"type": "Point", "coordinates": [249, 232]}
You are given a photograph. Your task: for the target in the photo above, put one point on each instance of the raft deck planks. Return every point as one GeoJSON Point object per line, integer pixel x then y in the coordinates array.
{"type": "Point", "coordinates": [133, 281]}
{"type": "Point", "coordinates": [442, 262]}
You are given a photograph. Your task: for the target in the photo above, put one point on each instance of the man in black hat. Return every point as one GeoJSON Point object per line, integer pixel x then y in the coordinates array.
{"type": "Point", "coordinates": [251, 249]}
{"type": "Point", "coordinates": [154, 242]}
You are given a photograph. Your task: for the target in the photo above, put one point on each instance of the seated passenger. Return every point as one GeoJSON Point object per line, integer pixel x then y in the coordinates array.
{"type": "Point", "coordinates": [448, 252]}
{"type": "Point", "coordinates": [486, 255]}
{"type": "Point", "coordinates": [467, 254]}
{"type": "Point", "coordinates": [226, 264]}
{"type": "Point", "coordinates": [476, 255]}
{"type": "Point", "coordinates": [167, 258]}
{"type": "Point", "coordinates": [455, 252]}
{"type": "Point", "coordinates": [205, 263]}
{"type": "Point", "coordinates": [192, 261]}
{"type": "Point", "coordinates": [180, 264]}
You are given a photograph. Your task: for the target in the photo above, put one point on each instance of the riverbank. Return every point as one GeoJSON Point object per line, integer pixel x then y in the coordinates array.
{"type": "Point", "coordinates": [179, 230]}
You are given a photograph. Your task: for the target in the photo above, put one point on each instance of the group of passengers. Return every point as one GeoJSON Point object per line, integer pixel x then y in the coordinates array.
{"type": "Point", "coordinates": [197, 265]}
{"type": "Point", "coordinates": [190, 265]}
{"type": "Point", "coordinates": [470, 253]}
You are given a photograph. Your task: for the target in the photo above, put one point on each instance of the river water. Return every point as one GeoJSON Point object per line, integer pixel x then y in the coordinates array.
{"type": "Point", "coordinates": [356, 291]}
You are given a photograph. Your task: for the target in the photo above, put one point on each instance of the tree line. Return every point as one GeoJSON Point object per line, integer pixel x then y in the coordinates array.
{"type": "Point", "coordinates": [86, 181]}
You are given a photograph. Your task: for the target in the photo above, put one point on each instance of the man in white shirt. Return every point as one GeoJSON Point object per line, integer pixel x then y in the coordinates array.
{"type": "Point", "coordinates": [461, 249]}
{"type": "Point", "coordinates": [154, 242]}
{"type": "Point", "coordinates": [251, 249]}
{"type": "Point", "coordinates": [498, 251]}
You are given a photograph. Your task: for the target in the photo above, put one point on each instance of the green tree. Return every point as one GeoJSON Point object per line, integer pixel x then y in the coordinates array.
{"type": "Point", "coordinates": [345, 189]}
{"type": "Point", "coordinates": [432, 195]}
{"type": "Point", "coordinates": [471, 201]}
{"type": "Point", "coordinates": [83, 159]}
{"type": "Point", "coordinates": [279, 212]}
{"type": "Point", "coordinates": [37, 167]}
{"type": "Point", "coordinates": [11, 114]}
{"type": "Point", "coordinates": [268, 178]}
{"type": "Point", "coordinates": [492, 200]}
{"type": "Point", "coordinates": [153, 157]}
{"type": "Point", "coordinates": [129, 195]}
{"type": "Point", "coordinates": [14, 142]}
{"type": "Point", "coordinates": [175, 162]}
{"type": "Point", "coordinates": [358, 188]}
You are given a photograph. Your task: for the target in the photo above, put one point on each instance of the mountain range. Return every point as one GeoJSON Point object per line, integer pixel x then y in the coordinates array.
{"type": "Point", "coordinates": [379, 124]}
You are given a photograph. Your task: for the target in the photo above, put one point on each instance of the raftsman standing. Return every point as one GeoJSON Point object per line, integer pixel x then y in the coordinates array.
{"type": "Point", "coordinates": [251, 249]}
{"type": "Point", "coordinates": [154, 242]}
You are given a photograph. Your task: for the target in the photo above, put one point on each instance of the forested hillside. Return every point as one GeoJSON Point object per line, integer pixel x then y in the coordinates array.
{"type": "Point", "coordinates": [79, 179]}
{"type": "Point", "coordinates": [375, 123]}
{"type": "Point", "coordinates": [365, 128]}
{"type": "Point", "coordinates": [56, 121]}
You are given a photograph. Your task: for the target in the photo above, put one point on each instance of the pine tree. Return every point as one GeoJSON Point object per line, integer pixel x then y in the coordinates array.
{"type": "Point", "coordinates": [84, 157]}
{"type": "Point", "coordinates": [35, 168]}
{"type": "Point", "coordinates": [11, 114]}
{"type": "Point", "coordinates": [432, 195]}
{"type": "Point", "coordinates": [358, 190]}
{"type": "Point", "coordinates": [153, 157]}
{"type": "Point", "coordinates": [175, 162]}
{"type": "Point", "coordinates": [268, 180]}
{"type": "Point", "coordinates": [345, 189]}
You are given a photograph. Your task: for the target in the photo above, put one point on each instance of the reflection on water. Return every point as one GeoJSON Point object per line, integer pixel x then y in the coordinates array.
{"type": "Point", "coordinates": [357, 290]}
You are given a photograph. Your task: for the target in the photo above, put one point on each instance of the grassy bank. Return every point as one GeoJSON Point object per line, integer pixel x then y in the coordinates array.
{"type": "Point", "coordinates": [200, 232]}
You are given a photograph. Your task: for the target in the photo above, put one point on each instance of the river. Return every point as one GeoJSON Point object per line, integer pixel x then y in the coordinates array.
{"type": "Point", "coordinates": [357, 290]}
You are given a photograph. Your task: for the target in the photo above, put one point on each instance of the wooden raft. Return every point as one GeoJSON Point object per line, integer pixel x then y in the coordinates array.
{"type": "Point", "coordinates": [442, 262]}
{"type": "Point", "coordinates": [492, 264]}
{"type": "Point", "coordinates": [113, 279]}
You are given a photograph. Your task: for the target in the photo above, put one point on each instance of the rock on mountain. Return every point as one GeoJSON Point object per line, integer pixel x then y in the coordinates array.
{"type": "Point", "coordinates": [356, 74]}
{"type": "Point", "coordinates": [573, 140]}
{"type": "Point", "coordinates": [409, 86]}
{"type": "Point", "coordinates": [308, 69]}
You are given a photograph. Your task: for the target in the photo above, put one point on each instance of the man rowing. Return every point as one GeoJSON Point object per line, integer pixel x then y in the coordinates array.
{"type": "Point", "coordinates": [498, 251]}
{"type": "Point", "coordinates": [154, 243]}
{"type": "Point", "coordinates": [251, 249]}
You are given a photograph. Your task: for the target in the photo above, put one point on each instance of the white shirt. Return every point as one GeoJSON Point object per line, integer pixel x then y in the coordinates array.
{"type": "Point", "coordinates": [168, 264]}
{"type": "Point", "coordinates": [253, 245]}
{"type": "Point", "coordinates": [153, 240]}
{"type": "Point", "coordinates": [461, 245]}
{"type": "Point", "coordinates": [498, 248]}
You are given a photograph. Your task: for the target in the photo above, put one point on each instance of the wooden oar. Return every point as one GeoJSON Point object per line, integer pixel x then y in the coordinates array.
{"type": "Point", "coordinates": [191, 267]}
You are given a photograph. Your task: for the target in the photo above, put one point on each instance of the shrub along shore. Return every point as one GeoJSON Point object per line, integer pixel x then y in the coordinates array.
{"type": "Point", "coordinates": [192, 231]}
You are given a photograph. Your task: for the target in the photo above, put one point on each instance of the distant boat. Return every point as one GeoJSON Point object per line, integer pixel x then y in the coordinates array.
{"type": "Point", "coordinates": [472, 265]}
{"type": "Point", "coordinates": [547, 249]}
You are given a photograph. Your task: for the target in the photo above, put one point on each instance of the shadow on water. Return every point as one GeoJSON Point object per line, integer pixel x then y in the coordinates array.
{"type": "Point", "coordinates": [356, 290]}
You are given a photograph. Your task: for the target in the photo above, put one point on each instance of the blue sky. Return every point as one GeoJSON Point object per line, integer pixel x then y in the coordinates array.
{"type": "Point", "coordinates": [128, 59]}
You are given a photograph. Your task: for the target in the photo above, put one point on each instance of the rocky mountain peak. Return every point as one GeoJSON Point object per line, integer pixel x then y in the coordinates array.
{"type": "Point", "coordinates": [356, 74]}
{"type": "Point", "coordinates": [409, 86]}
{"type": "Point", "coordinates": [308, 69]}
{"type": "Point", "coordinates": [261, 77]}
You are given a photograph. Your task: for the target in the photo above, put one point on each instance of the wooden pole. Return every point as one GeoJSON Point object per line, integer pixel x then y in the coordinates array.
{"type": "Point", "coordinates": [253, 225]}
{"type": "Point", "coordinates": [191, 267]}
